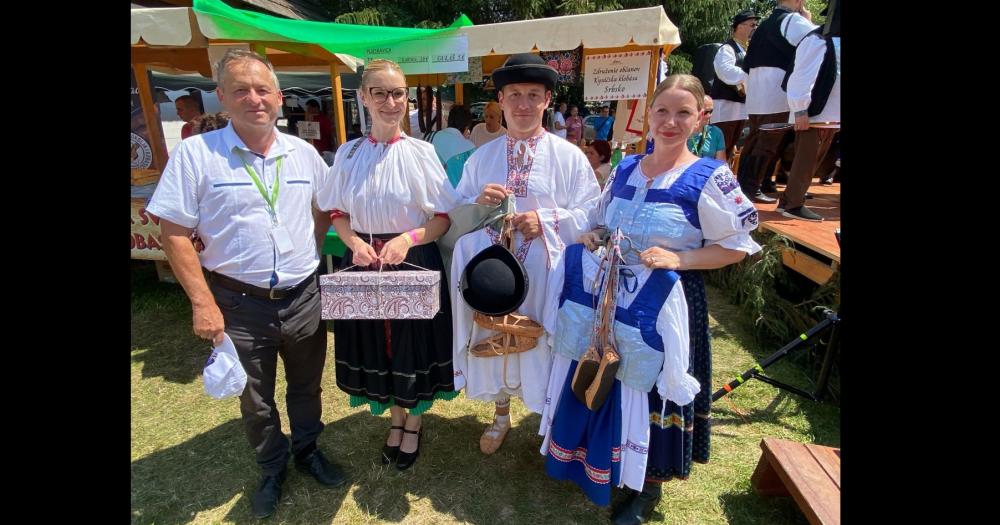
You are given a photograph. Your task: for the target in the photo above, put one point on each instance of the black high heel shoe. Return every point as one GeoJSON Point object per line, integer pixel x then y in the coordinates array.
{"type": "Point", "coordinates": [406, 460]}
{"type": "Point", "coordinates": [389, 453]}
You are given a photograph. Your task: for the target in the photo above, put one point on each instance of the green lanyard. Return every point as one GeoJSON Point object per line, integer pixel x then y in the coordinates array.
{"type": "Point", "coordinates": [272, 201]}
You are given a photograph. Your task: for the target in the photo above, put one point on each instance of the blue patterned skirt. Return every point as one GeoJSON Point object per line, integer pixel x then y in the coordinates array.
{"type": "Point", "coordinates": [585, 446]}
{"type": "Point", "coordinates": [682, 433]}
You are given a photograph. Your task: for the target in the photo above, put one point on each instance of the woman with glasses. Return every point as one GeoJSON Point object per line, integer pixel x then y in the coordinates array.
{"type": "Point", "coordinates": [389, 197]}
{"type": "Point", "coordinates": [708, 140]}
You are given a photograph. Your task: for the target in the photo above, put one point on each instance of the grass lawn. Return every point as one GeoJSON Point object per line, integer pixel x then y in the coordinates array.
{"type": "Point", "coordinates": [191, 462]}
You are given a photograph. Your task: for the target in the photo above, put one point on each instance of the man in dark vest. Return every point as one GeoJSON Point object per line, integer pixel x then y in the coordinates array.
{"type": "Point", "coordinates": [769, 57]}
{"type": "Point", "coordinates": [729, 88]}
{"type": "Point", "coordinates": [813, 91]}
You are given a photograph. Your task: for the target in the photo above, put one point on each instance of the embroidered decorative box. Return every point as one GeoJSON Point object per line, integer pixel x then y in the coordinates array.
{"type": "Point", "coordinates": [405, 294]}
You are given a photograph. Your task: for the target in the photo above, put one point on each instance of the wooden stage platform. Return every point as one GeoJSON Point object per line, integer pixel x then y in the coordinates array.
{"type": "Point", "coordinates": [816, 253]}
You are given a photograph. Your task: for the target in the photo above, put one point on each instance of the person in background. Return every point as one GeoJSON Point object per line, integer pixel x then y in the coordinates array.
{"type": "Point", "coordinates": [574, 126]}
{"type": "Point", "coordinates": [315, 114]}
{"type": "Point", "coordinates": [450, 144]}
{"type": "Point", "coordinates": [491, 126]}
{"type": "Point", "coordinates": [708, 141]}
{"type": "Point", "coordinates": [188, 110]}
{"type": "Point", "coordinates": [598, 152]}
{"type": "Point", "coordinates": [559, 121]}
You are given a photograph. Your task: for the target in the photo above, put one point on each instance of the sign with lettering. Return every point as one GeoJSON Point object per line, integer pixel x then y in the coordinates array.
{"type": "Point", "coordinates": [447, 54]}
{"type": "Point", "coordinates": [616, 76]}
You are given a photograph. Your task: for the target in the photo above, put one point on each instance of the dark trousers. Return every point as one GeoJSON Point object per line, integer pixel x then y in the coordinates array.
{"type": "Point", "coordinates": [760, 152]}
{"type": "Point", "coordinates": [731, 133]}
{"type": "Point", "coordinates": [262, 329]}
{"type": "Point", "coordinates": [810, 147]}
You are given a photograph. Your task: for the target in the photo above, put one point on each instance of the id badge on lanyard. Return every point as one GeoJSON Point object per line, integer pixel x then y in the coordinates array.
{"type": "Point", "coordinates": [278, 233]}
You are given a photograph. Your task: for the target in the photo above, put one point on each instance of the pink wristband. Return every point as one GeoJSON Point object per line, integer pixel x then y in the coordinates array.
{"type": "Point", "coordinates": [413, 236]}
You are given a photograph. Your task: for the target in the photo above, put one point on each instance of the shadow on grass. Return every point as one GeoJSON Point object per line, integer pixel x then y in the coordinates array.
{"type": "Point", "coordinates": [747, 508]}
{"type": "Point", "coordinates": [161, 335]}
{"type": "Point", "coordinates": [172, 486]}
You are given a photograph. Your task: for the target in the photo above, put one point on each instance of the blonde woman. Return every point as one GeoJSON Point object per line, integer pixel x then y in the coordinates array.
{"type": "Point", "coordinates": [491, 127]}
{"type": "Point", "coordinates": [389, 197]}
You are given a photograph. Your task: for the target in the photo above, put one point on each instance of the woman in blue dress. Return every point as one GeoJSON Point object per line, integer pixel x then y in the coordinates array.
{"type": "Point", "coordinates": [685, 214]}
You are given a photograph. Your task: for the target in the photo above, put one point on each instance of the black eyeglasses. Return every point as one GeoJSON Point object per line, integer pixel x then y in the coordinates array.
{"type": "Point", "coordinates": [380, 95]}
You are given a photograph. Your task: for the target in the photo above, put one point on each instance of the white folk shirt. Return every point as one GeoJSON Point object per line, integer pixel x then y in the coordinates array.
{"type": "Point", "coordinates": [555, 179]}
{"type": "Point", "coordinates": [726, 70]}
{"type": "Point", "coordinates": [808, 59]}
{"type": "Point", "coordinates": [387, 187]}
{"type": "Point", "coordinates": [205, 186]}
{"type": "Point", "coordinates": [764, 93]}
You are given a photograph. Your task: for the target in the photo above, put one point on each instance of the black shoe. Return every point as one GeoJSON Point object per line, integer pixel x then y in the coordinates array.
{"type": "Point", "coordinates": [826, 182]}
{"type": "Point", "coordinates": [802, 213]}
{"type": "Point", "coordinates": [808, 195]}
{"type": "Point", "coordinates": [760, 198]}
{"type": "Point", "coordinates": [389, 453]}
{"type": "Point", "coordinates": [769, 188]}
{"type": "Point", "coordinates": [265, 499]}
{"type": "Point", "coordinates": [406, 460]}
{"type": "Point", "coordinates": [318, 467]}
{"type": "Point", "coordinates": [637, 508]}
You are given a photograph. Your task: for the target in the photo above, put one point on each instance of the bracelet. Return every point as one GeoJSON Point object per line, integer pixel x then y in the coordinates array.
{"type": "Point", "coordinates": [410, 238]}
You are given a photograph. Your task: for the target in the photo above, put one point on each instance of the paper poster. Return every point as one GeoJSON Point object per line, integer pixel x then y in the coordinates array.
{"type": "Point", "coordinates": [308, 130]}
{"type": "Point", "coordinates": [616, 76]}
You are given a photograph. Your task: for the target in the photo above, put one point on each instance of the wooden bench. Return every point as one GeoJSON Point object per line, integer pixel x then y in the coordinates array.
{"type": "Point", "coordinates": [808, 473]}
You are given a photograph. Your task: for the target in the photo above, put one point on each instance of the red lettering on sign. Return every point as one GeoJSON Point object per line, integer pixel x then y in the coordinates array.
{"type": "Point", "coordinates": [143, 218]}
{"type": "Point", "coordinates": [154, 218]}
{"type": "Point", "coordinates": [140, 243]}
{"type": "Point", "coordinates": [132, 238]}
{"type": "Point", "coordinates": [152, 244]}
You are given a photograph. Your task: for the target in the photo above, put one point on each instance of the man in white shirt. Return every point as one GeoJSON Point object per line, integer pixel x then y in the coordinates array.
{"type": "Point", "coordinates": [554, 189]}
{"type": "Point", "coordinates": [559, 121]}
{"type": "Point", "coordinates": [813, 88]}
{"type": "Point", "coordinates": [768, 58]}
{"type": "Point", "coordinates": [249, 191]}
{"type": "Point", "coordinates": [729, 88]}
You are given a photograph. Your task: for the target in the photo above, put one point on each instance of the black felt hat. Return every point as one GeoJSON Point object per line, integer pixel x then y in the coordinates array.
{"type": "Point", "coordinates": [494, 282]}
{"type": "Point", "coordinates": [527, 68]}
{"type": "Point", "coordinates": [743, 16]}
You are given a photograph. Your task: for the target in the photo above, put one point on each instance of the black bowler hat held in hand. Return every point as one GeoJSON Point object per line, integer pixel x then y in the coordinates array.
{"type": "Point", "coordinates": [495, 282]}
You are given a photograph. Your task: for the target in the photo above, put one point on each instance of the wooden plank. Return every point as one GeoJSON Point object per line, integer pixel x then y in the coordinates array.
{"type": "Point", "coordinates": [805, 479]}
{"type": "Point", "coordinates": [815, 270]}
{"type": "Point", "coordinates": [178, 58]}
{"type": "Point", "coordinates": [829, 459]}
{"type": "Point", "coordinates": [338, 106]}
{"type": "Point", "coordinates": [149, 110]}
{"type": "Point", "coordinates": [765, 480]}
{"type": "Point", "coordinates": [459, 94]}
{"type": "Point", "coordinates": [654, 62]}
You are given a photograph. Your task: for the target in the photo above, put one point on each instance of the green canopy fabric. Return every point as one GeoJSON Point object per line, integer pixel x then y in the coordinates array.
{"type": "Point", "coordinates": [220, 21]}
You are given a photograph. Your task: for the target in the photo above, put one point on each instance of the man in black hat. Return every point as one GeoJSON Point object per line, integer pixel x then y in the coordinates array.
{"type": "Point", "coordinates": [553, 189]}
{"type": "Point", "coordinates": [813, 90]}
{"type": "Point", "coordinates": [729, 88]}
{"type": "Point", "coordinates": [768, 58]}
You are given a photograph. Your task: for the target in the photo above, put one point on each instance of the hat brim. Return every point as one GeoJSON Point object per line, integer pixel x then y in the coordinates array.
{"type": "Point", "coordinates": [525, 74]}
{"type": "Point", "coordinates": [494, 282]}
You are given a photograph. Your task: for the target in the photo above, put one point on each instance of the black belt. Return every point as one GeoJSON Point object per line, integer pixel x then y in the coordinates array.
{"type": "Point", "coordinates": [239, 286]}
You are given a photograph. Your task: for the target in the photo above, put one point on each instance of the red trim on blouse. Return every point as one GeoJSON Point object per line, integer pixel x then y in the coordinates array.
{"type": "Point", "coordinates": [393, 140]}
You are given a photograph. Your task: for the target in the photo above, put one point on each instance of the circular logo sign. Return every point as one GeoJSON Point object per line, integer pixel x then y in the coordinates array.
{"type": "Point", "coordinates": [142, 154]}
